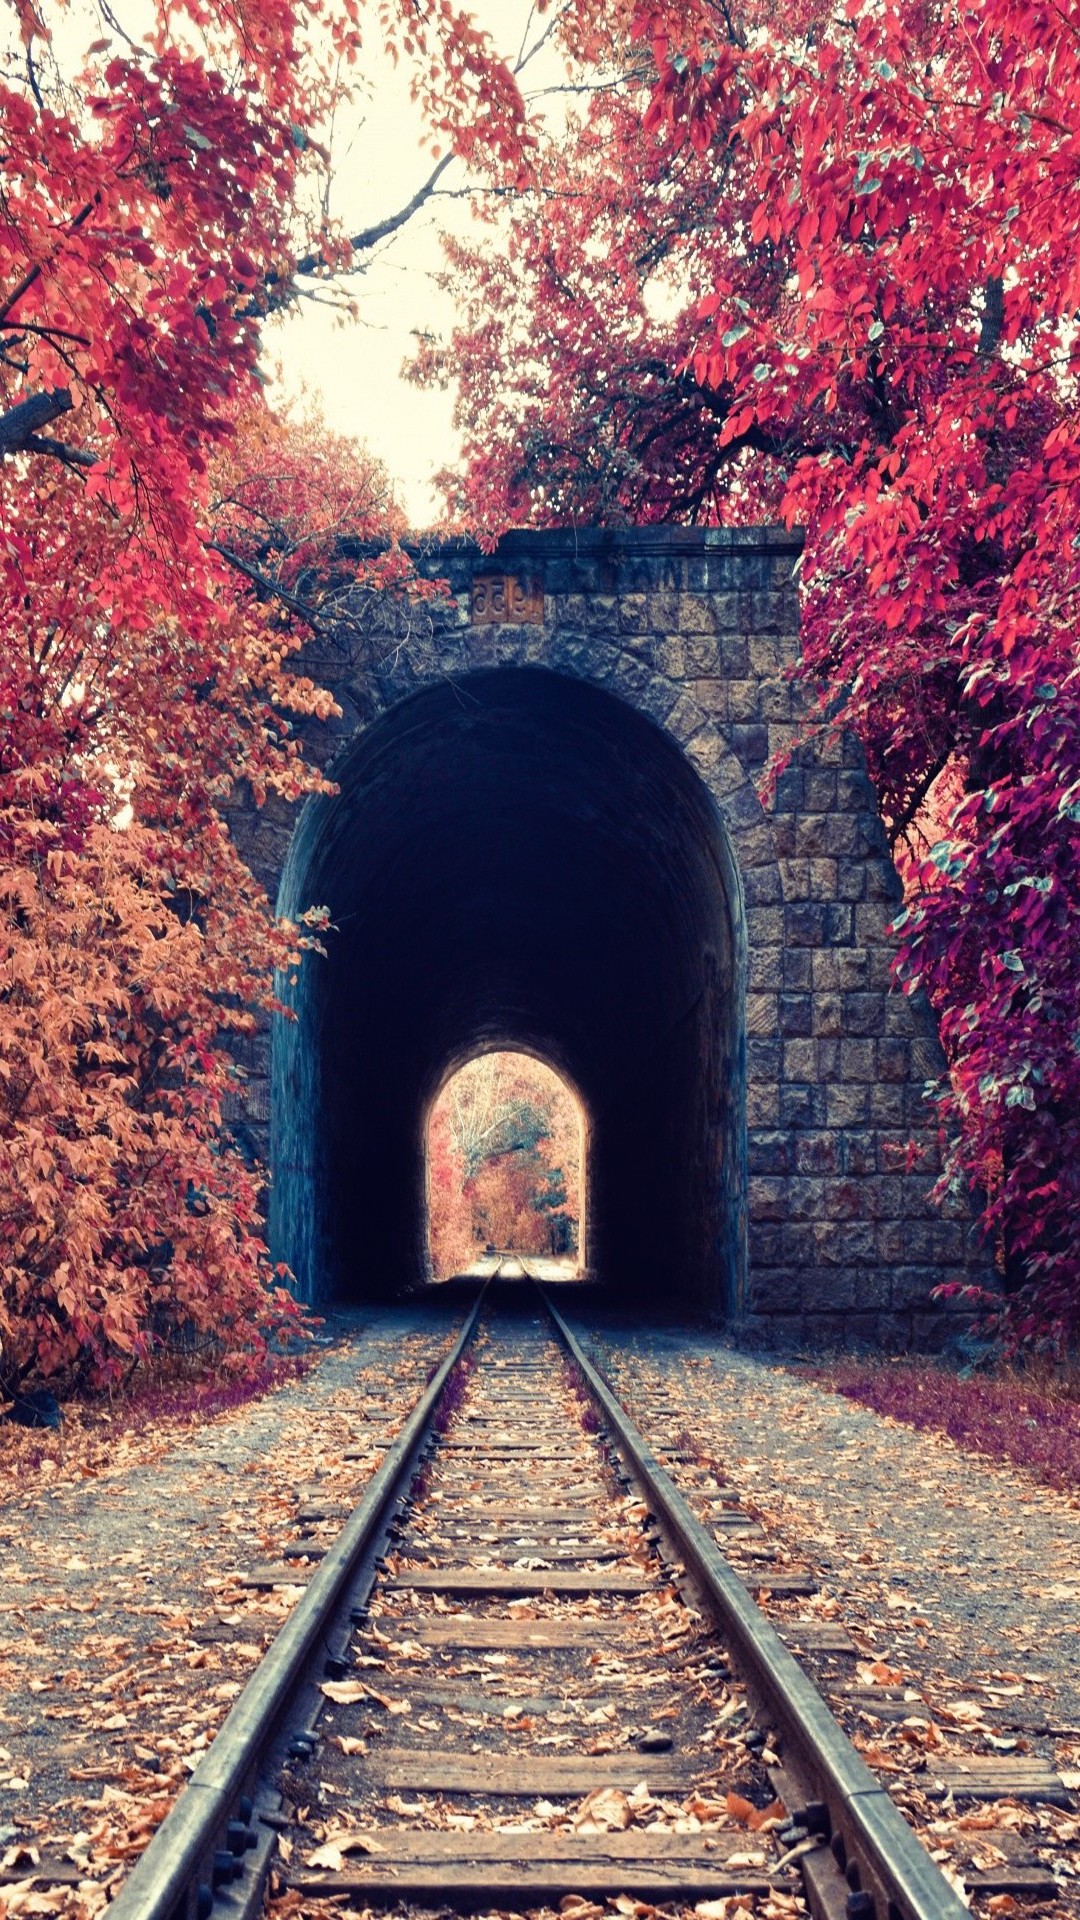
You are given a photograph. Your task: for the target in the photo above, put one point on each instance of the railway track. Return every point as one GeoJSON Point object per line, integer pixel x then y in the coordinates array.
{"type": "Point", "coordinates": [523, 1671]}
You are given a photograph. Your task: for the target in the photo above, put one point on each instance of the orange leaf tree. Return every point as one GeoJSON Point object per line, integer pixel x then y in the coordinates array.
{"type": "Point", "coordinates": [504, 1162]}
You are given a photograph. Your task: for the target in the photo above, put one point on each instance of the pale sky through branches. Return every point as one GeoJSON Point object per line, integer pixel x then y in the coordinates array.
{"type": "Point", "coordinates": [380, 159]}
{"type": "Point", "coordinates": [353, 366]}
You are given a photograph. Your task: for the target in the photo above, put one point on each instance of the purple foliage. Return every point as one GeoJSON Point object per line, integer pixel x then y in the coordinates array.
{"type": "Point", "coordinates": [452, 1394]}
{"type": "Point", "coordinates": [185, 1399]}
{"type": "Point", "coordinates": [1033, 1424]}
{"type": "Point", "coordinates": [195, 1399]}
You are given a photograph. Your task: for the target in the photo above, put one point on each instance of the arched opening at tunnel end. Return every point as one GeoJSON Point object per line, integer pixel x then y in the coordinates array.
{"type": "Point", "coordinates": [506, 1153]}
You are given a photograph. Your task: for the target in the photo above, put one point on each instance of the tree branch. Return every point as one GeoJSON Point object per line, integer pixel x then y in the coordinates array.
{"type": "Point", "coordinates": [59, 450]}
{"type": "Point", "coordinates": [898, 828]}
{"type": "Point", "coordinates": [272, 588]}
{"type": "Point", "coordinates": [371, 236]}
{"type": "Point", "coordinates": [19, 429]}
{"type": "Point", "coordinates": [33, 274]}
{"type": "Point", "coordinates": [29, 415]}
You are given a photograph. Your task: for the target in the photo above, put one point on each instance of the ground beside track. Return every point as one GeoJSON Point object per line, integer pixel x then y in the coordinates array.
{"type": "Point", "coordinates": [123, 1637]}
{"type": "Point", "coordinates": [897, 1523]}
{"type": "Point", "coordinates": [959, 1578]}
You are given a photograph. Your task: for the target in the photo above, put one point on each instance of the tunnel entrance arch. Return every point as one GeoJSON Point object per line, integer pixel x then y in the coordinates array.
{"type": "Point", "coordinates": [516, 859]}
{"type": "Point", "coordinates": [507, 1161]}
{"type": "Point", "coordinates": [747, 927]}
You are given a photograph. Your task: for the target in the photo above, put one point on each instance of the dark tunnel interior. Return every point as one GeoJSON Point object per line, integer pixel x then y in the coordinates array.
{"type": "Point", "coordinates": [515, 860]}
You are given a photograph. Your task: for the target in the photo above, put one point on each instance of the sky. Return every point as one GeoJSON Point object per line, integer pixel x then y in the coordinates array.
{"type": "Point", "coordinates": [354, 366]}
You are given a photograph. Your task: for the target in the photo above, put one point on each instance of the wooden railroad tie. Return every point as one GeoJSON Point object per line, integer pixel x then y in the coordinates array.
{"type": "Point", "coordinates": [526, 1776]}
{"type": "Point", "coordinates": [993, 1777]}
{"type": "Point", "coordinates": [412, 1864]}
{"type": "Point", "coordinates": [478, 1582]}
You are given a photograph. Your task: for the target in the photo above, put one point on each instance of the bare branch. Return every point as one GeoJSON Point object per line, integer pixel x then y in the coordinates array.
{"type": "Point", "coordinates": [266, 585]}
{"type": "Point", "coordinates": [544, 36]}
{"type": "Point", "coordinates": [31, 74]}
{"type": "Point", "coordinates": [371, 236]}
{"type": "Point", "coordinates": [581, 86]}
{"type": "Point", "coordinates": [59, 450]}
{"type": "Point", "coordinates": [33, 273]}
{"type": "Point", "coordinates": [31, 414]}
{"type": "Point", "coordinates": [898, 828]}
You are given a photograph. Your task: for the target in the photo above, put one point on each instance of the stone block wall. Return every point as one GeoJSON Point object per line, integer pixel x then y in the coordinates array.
{"type": "Point", "coordinates": [697, 631]}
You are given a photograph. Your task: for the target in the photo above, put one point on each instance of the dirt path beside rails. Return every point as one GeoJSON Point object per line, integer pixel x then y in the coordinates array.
{"type": "Point", "coordinates": [956, 1579]}
{"type": "Point", "coordinates": [125, 1630]}
{"type": "Point", "coordinates": [897, 1523]}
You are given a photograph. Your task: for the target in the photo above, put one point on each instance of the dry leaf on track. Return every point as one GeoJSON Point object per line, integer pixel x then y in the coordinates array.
{"type": "Point", "coordinates": [604, 1810]}
{"type": "Point", "coordinates": [336, 1845]}
{"type": "Point", "coordinates": [345, 1693]}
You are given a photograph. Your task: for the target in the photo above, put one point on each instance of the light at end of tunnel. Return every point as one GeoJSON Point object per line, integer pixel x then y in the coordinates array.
{"type": "Point", "coordinates": [506, 1152]}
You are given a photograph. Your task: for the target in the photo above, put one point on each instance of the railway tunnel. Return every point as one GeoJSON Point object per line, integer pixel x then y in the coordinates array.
{"type": "Point", "coordinates": [516, 859]}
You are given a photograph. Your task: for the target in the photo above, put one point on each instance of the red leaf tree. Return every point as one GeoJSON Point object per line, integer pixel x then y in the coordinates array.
{"type": "Point", "coordinates": [156, 526]}
{"type": "Point", "coordinates": [825, 265]}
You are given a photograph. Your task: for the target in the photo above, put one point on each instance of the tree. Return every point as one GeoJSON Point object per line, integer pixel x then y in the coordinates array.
{"type": "Point", "coordinates": [504, 1162]}
{"type": "Point", "coordinates": [159, 535]}
{"type": "Point", "coordinates": [134, 946]}
{"type": "Point", "coordinates": [822, 265]}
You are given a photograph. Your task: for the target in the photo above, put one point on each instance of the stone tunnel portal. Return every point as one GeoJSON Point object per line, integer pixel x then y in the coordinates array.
{"type": "Point", "coordinates": [520, 860]}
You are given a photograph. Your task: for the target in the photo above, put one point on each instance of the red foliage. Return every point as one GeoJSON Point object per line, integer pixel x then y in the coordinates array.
{"type": "Point", "coordinates": [132, 940]}
{"type": "Point", "coordinates": [151, 559]}
{"type": "Point", "coordinates": [826, 267]}
{"type": "Point", "coordinates": [453, 1243]}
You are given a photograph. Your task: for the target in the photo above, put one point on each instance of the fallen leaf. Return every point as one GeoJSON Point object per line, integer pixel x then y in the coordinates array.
{"type": "Point", "coordinates": [741, 1810]}
{"type": "Point", "coordinates": [328, 1856]}
{"type": "Point", "coordinates": [604, 1810]}
{"type": "Point", "coordinates": [343, 1692]}
{"type": "Point", "coordinates": [20, 1856]}
{"type": "Point", "coordinates": [336, 1845]}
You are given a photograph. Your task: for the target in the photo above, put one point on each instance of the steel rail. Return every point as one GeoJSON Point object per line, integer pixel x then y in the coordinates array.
{"type": "Point", "coordinates": [167, 1873]}
{"type": "Point", "coordinates": [876, 1837]}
